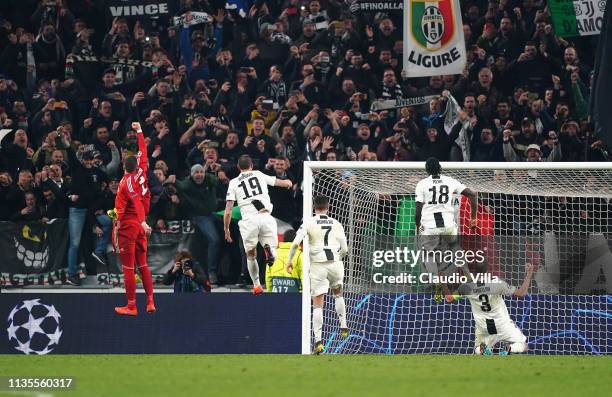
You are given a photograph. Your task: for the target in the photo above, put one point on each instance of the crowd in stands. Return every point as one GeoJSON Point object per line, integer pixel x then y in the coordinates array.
{"type": "Point", "coordinates": [285, 81]}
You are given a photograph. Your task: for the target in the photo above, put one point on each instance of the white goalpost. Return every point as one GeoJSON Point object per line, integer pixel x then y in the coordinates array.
{"type": "Point", "coordinates": [556, 215]}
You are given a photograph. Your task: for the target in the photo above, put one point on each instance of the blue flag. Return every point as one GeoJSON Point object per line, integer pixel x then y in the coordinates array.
{"type": "Point", "coordinates": [241, 6]}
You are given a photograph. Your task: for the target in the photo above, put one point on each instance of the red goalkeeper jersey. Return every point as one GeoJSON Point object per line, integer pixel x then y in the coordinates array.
{"type": "Point", "coordinates": [129, 202]}
{"type": "Point", "coordinates": [141, 172]}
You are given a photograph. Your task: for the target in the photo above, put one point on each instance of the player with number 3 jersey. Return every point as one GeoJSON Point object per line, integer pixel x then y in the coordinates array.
{"type": "Point", "coordinates": [491, 318]}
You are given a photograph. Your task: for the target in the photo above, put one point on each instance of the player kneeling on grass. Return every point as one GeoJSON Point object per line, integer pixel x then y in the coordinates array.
{"type": "Point", "coordinates": [493, 323]}
{"type": "Point", "coordinates": [250, 191]}
{"type": "Point", "coordinates": [327, 246]}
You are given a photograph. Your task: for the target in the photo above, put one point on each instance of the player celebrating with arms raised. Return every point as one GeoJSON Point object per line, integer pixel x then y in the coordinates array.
{"type": "Point", "coordinates": [143, 167]}
{"type": "Point", "coordinates": [327, 246]}
{"type": "Point", "coordinates": [131, 229]}
{"type": "Point", "coordinates": [250, 190]}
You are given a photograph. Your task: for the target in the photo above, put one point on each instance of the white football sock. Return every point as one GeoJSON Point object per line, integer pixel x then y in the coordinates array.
{"type": "Point", "coordinates": [341, 310]}
{"type": "Point", "coordinates": [253, 270]}
{"type": "Point", "coordinates": [317, 323]}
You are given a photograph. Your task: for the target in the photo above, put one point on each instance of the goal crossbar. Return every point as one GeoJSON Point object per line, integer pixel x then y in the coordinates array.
{"type": "Point", "coordinates": [454, 165]}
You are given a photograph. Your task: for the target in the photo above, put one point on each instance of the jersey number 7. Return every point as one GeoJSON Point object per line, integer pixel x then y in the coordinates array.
{"type": "Point", "coordinates": [326, 237]}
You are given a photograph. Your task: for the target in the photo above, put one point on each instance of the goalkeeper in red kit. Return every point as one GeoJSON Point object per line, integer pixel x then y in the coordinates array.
{"type": "Point", "coordinates": [131, 230]}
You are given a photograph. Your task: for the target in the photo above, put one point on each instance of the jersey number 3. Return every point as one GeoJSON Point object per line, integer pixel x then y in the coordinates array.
{"type": "Point", "coordinates": [254, 189]}
{"type": "Point", "coordinates": [442, 197]}
{"type": "Point", "coordinates": [486, 306]}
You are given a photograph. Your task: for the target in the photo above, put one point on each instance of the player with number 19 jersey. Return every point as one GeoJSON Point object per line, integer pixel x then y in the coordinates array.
{"type": "Point", "coordinates": [250, 191]}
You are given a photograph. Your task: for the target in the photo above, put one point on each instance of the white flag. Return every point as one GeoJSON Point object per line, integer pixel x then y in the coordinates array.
{"type": "Point", "coordinates": [433, 38]}
{"type": "Point", "coordinates": [3, 133]}
{"type": "Point", "coordinates": [450, 114]}
{"type": "Point", "coordinates": [198, 18]}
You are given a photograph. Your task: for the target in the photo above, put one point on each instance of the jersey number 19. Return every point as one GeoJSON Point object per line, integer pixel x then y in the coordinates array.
{"type": "Point", "coordinates": [254, 189]}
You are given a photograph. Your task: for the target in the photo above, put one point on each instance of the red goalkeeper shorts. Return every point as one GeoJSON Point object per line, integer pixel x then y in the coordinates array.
{"type": "Point", "coordinates": [128, 237]}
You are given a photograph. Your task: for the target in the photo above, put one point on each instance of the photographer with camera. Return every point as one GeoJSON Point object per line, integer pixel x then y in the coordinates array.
{"type": "Point", "coordinates": [187, 275]}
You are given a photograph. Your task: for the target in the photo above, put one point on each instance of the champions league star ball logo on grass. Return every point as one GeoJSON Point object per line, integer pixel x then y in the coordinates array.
{"type": "Point", "coordinates": [34, 328]}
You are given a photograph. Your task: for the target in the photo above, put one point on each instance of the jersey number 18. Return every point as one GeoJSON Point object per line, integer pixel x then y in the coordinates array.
{"type": "Point", "coordinates": [442, 197]}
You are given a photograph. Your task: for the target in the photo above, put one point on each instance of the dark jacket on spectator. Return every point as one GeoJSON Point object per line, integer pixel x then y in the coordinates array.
{"type": "Point", "coordinates": [15, 200]}
{"type": "Point", "coordinates": [58, 208]}
{"type": "Point", "coordinates": [183, 283]}
{"type": "Point", "coordinates": [16, 158]}
{"type": "Point", "coordinates": [198, 199]}
{"type": "Point", "coordinates": [86, 182]}
{"type": "Point", "coordinates": [440, 148]}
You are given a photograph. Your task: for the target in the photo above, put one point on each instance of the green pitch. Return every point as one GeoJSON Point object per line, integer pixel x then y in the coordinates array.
{"type": "Point", "coordinates": [333, 376]}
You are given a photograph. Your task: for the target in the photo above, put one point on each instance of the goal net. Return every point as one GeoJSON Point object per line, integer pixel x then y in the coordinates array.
{"type": "Point", "coordinates": [557, 216]}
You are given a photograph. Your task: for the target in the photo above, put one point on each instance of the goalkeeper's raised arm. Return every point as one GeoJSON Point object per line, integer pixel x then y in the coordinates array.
{"type": "Point", "coordinates": [142, 156]}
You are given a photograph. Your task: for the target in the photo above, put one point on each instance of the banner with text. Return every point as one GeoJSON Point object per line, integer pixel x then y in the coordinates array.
{"type": "Point", "coordinates": [433, 38]}
{"type": "Point", "coordinates": [359, 6]}
{"type": "Point", "coordinates": [577, 17]}
{"type": "Point", "coordinates": [141, 8]}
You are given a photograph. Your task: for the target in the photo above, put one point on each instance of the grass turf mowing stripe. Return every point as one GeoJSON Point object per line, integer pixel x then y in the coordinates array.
{"type": "Point", "coordinates": [338, 375]}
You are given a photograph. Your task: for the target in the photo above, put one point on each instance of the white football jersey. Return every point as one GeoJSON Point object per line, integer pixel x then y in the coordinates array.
{"type": "Point", "coordinates": [487, 302]}
{"type": "Point", "coordinates": [250, 191]}
{"type": "Point", "coordinates": [326, 238]}
{"type": "Point", "coordinates": [439, 197]}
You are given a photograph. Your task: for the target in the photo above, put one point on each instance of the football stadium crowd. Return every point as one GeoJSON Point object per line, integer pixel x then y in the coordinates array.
{"type": "Point", "coordinates": [281, 80]}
